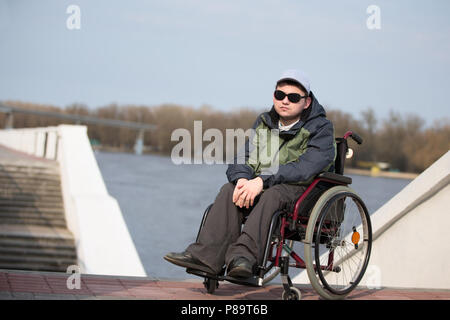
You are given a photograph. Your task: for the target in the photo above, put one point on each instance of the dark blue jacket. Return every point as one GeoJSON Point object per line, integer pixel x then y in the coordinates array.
{"type": "Point", "coordinates": [305, 150]}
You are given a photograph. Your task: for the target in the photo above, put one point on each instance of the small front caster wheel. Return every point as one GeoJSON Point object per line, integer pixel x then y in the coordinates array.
{"type": "Point", "coordinates": [211, 285]}
{"type": "Point", "coordinates": [292, 294]}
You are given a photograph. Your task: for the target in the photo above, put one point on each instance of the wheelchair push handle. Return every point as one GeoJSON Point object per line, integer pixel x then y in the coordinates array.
{"type": "Point", "coordinates": [354, 136]}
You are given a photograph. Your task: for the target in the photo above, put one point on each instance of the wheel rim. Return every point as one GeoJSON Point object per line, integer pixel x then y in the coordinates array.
{"type": "Point", "coordinates": [343, 230]}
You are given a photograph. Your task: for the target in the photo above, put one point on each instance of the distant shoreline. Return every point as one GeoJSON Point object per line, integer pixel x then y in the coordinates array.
{"type": "Point", "coordinates": [384, 174]}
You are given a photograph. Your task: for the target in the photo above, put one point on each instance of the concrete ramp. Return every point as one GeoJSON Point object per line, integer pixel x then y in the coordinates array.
{"type": "Point", "coordinates": [411, 238]}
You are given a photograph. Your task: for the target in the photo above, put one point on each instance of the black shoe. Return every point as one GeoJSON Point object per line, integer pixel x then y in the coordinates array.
{"type": "Point", "coordinates": [185, 259]}
{"type": "Point", "coordinates": [240, 268]}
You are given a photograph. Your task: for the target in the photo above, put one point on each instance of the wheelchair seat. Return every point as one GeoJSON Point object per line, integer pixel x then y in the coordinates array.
{"type": "Point", "coordinates": [334, 177]}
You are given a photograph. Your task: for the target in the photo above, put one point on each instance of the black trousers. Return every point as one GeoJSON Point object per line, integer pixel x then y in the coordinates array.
{"type": "Point", "coordinates": [221, 238]}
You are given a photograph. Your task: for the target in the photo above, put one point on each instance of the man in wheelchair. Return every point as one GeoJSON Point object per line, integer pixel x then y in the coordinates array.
{"type": "Point", "coordinates": [307, 147]}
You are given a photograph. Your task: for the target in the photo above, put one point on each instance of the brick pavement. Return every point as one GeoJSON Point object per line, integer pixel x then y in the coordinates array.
{"type": "Point", "coordinates": [51, 285]}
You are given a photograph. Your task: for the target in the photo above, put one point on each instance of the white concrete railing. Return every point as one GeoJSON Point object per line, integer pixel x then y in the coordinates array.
{"type": "Point", "coordinates": [40, 142]}
{"type": "Point", "coordinates": [411, 241]}
{"type": "Point", "coordinates": [104, 245]}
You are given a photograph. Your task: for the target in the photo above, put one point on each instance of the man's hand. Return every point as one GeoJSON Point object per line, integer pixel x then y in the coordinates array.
{"type": "Point", "coordinates": [238, 189]}
{"type": "Point", "coordinates": [246, 191]}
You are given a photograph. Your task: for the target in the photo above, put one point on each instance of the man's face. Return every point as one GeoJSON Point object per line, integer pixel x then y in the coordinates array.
{"type": "Point", "coordinates": [290, 112]}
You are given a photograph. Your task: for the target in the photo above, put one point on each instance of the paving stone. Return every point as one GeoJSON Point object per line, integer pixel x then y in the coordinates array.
{"type": "Point", "coordinates": [113, 294]}
{"type": "Point", "coordinates": [152, 294]}
{"type": "Point", "coordinates": [5, 295]}
{"type": "Point", "coordinates": [111, 291]}
{"type": "Point", "coordinates": [101, 281]}
{"type": "Point", "coordinates": [54, 297]}
{"type": "Point", "coordinates": [104, 287]}
{"type": "Point", "coordinates": [21, 285]}
{"type": "Point", "coordinates": [182, 284]}
{"type": "Point", "coordinates": [30, 289]}
{"type": "Point", "coordinates": [23, 295]}
{"type": "Point", "coordinates": [65, 290]}
{"type": "Point", "coordinates": [4, 286]}
{"type": "Point", "coordinates": [108, 297]}
{"type": "Point", "coordinates": [142, 286]}
{"type": "Point", "coordinates": [86, 297]}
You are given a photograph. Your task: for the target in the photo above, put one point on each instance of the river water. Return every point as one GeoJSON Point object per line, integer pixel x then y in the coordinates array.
{"type": "Point", "coordinates": [163, 203]}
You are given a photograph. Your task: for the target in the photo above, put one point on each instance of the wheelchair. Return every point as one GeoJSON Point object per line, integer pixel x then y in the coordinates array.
{"type": "Point", "coordinates": [332, 223]}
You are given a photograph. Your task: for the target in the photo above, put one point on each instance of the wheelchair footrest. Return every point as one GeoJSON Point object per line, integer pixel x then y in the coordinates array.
{"type": "Point", "coordinates": [203, 274]}
{"type": "Point", "coordinates": [253, 281]}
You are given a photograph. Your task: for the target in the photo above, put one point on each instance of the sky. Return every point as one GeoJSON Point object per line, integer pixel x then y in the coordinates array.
{"type": "Point", "coordinates": [227, 54]}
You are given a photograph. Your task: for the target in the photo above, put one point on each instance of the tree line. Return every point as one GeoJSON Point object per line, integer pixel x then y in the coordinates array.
{"type": "Point", "coordinates": [401, 140]}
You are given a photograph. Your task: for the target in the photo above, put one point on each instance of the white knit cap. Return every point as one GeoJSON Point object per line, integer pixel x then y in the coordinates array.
{"type": "Point", "coordinates": [298, 76]}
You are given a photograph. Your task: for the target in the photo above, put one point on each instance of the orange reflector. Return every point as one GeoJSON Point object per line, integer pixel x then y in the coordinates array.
{"type": "Point", "coordinates": [355, 237]}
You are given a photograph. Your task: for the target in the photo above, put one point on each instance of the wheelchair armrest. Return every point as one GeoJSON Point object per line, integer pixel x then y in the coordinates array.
{"type": "Point", "coordinates": [338, 178]}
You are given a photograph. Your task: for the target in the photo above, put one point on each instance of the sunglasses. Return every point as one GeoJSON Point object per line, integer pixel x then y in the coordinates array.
{"type": "Point", "coordinates": [292, 97]}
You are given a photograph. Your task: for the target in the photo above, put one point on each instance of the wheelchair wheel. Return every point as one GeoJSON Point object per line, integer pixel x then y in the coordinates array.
{"type": "Point", "coordinates": [211, 285]}
{"type": "Point", "coordinates": [338, 242]}
{"type": "Point", "coordinates": [293, 294]}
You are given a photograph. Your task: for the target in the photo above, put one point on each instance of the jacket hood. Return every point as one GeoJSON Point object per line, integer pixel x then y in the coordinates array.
{"type": "Point", "coordinates": [315, 110]}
